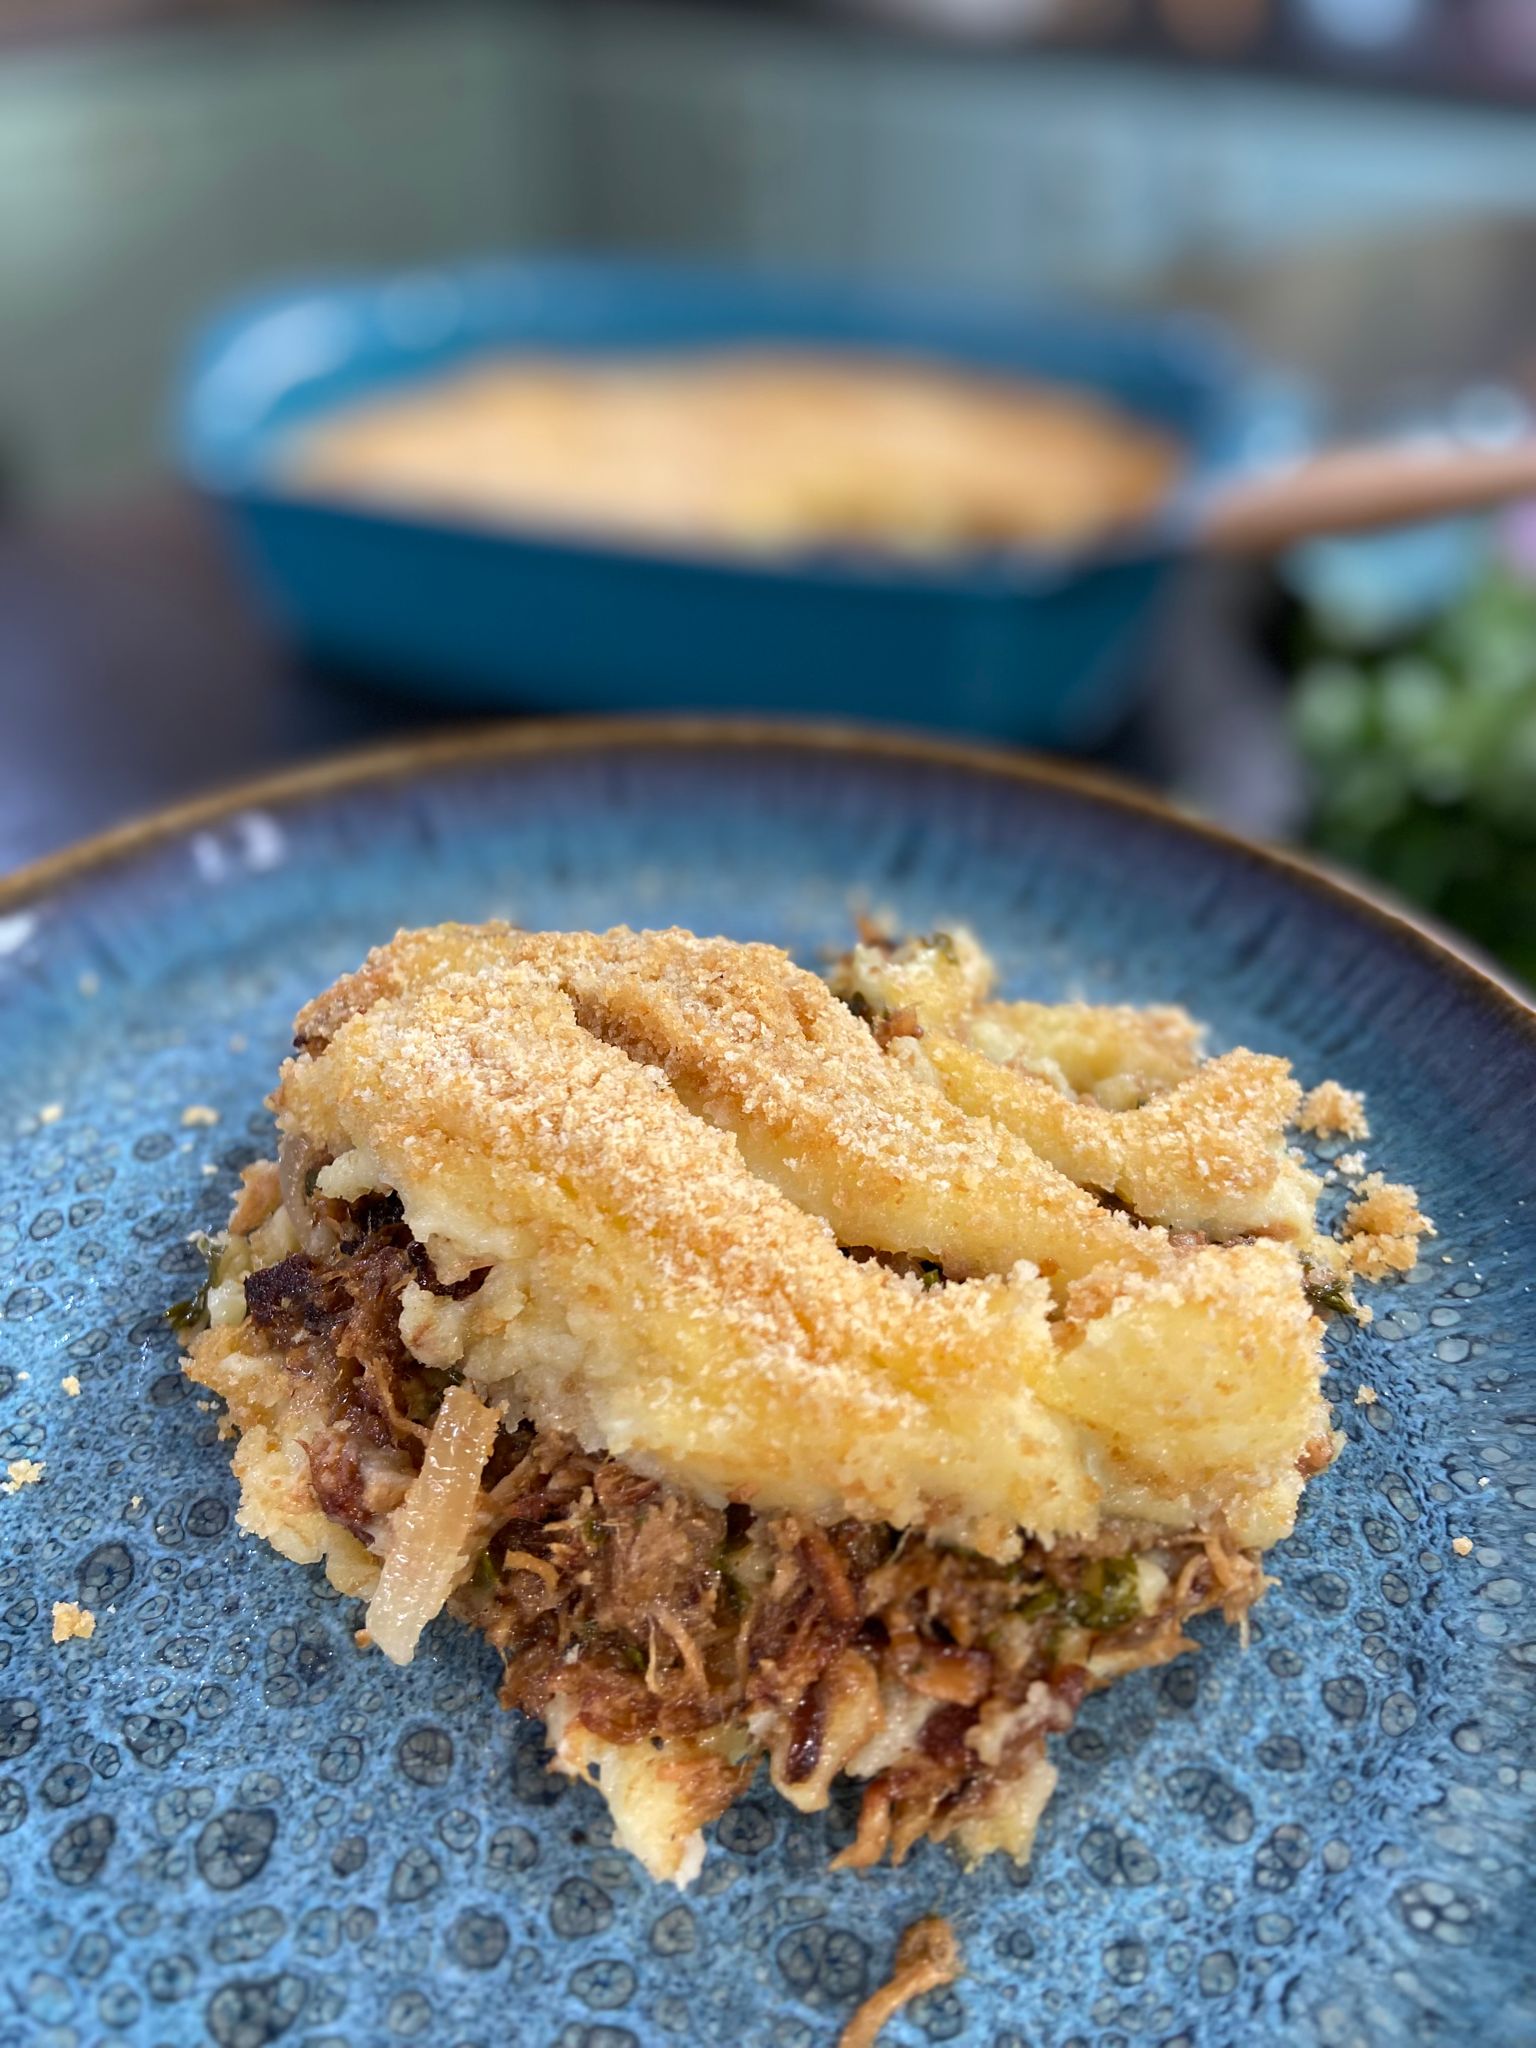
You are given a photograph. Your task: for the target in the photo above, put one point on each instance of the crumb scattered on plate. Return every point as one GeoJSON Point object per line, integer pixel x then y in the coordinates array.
{"type": "Point", "coordinates": [50, 1112]}
{"type": "Point", "coordinates": [1382, 1229]}
{"type": "Point", "coordinates": [70, 1620]}
{"type": "Point", "coordinates": [1462, 1545]}
{"type": "Point", "coordinates": [1350, 1165]}
{"type": "Point", "coordinates": [1366, 1397]}
{"type": "Point", "coordinates": [1331, 1111]}
{"type": "Point", "coordinates": [21, 1472]}
{"type": "Point", "coordinates": [198, 1113]}
{"type": "Point", "coordinates": [70, 1385]}
{"type": "Point", "coordinates": [927, 1956]}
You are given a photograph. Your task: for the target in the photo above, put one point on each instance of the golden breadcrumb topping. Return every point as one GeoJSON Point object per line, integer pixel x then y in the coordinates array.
{"type": "Point", "coordinates": [1114, 1099]}
{"type": "Point", "coordinates": [1329, 1110]}
{"type": "Point", "coordinates": [679, 1134]}
{"type": "Point", "coordinates": [22, 1472]}
{"type": "Point", "coordinates": [260, 1193]}
{"type": "Point", "coordinates": [1382, 1228]}
{"type": "Point", "coordinates": [71, 1620]}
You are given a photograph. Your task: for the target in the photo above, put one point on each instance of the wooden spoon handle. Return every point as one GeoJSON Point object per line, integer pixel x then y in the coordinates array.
{"type": "Point", "coordinates": [1347, 490]}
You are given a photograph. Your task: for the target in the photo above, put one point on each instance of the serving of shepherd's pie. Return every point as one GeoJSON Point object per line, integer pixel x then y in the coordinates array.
{"type": "Point", "coordinates": [845, 1375]}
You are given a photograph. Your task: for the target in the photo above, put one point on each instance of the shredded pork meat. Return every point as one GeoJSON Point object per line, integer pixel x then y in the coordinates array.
{"type": "Point", "coordinates": [927, 1956]}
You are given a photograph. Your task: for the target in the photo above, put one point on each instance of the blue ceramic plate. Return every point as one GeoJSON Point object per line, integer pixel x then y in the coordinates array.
{"type": "Point", "coordinates": [222, 1822]}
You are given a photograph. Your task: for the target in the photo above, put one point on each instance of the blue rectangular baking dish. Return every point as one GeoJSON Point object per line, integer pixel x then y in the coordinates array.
{"type": "Point", "coordinates": [1012, 646]}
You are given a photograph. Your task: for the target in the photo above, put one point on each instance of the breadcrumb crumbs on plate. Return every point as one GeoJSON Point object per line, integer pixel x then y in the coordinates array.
{"type": "Point", "coordinates": [1462, 1545]}
{"type": "Point", "coordinates": [1350, 1165]}
{"type": "Point", "coordinates": [1383, 1227]}
{"type": "Point", "coordinates": [22, 1472]}
{"type": "Point", "coordinates": [927, 1957]}
{"type": "Point", "coordinates": [198, 1113]}
{"type": "Point", "coordinates": [1329, 1110]}
{"type": "Point", "coordinates": [50, 1112]}
{"type": "Point", "coordinates": [70, 1385]}
{"type": "Point", "coordinates": [1366, 1397]}
{"type": "Point", "coordinates": [362, 1638]}
{"type": "Point", "coordinates": [71, 1620]}
{"type": "Point", "coordinates": [137, 1501]}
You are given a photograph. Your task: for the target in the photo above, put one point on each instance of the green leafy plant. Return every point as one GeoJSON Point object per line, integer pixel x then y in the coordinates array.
{"type": "Point", "coordinates": [1422, 760]}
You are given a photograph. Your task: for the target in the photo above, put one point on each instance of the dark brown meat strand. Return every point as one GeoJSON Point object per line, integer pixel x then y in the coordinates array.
{"type": "Point", "coordinates": [654, 1615]}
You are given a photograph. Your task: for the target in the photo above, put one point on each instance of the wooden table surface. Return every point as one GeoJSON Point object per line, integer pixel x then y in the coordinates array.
{"type": "Point", "coordinates": [136, 669]}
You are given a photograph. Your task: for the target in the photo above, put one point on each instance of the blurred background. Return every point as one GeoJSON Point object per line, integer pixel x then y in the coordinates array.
{"type": "Point", "coordinates": [1346, 187]}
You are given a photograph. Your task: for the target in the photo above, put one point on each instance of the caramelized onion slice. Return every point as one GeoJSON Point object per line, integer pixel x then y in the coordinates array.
{"type": "Point", "coordinates": [431, 1529]}
{"type": "Point", "coordinates": [296, 1160]}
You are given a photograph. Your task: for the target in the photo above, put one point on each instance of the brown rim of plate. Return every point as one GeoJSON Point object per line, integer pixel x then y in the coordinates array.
{"type": "Point", "coordinates": [397, 760]}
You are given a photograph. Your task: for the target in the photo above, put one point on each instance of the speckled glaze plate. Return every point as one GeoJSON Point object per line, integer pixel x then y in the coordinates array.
{"type": "Point", "coordinates": [222, 1822]}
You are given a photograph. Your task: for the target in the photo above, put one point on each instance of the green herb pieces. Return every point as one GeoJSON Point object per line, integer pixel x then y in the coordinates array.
{"type": "Point", "coordinates": [192, 1314]}
{"type": "Point", "coordinates": [1326, 1291]}
{"type": "Point", "coordinates": [186, 1316]}
{"type": "Point", "coordinates": [1108, 1595]}
{"type": "Point", "coordinates": [1045, 1599]}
